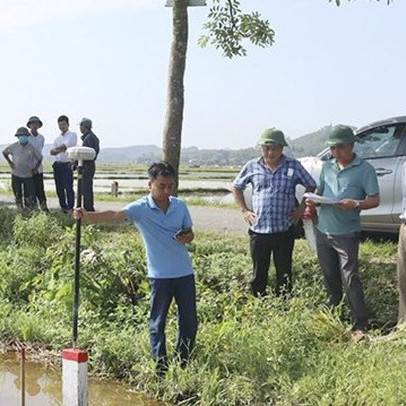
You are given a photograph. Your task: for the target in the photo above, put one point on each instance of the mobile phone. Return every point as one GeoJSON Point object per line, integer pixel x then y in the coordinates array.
{"type": "Point", "coordinates": [182, 232]}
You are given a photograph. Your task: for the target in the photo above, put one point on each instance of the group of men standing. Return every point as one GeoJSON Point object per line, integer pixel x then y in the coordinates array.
{"type": "Point", "coordinates": [166, 226]}
{"type": "Point", "coordinates": [274, 177]}
{"type": "Point", "coordinates": [27, 172]}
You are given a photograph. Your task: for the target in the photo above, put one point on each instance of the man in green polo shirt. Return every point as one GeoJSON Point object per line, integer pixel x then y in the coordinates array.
{"type": "Point", "coordinates": [353, 182]}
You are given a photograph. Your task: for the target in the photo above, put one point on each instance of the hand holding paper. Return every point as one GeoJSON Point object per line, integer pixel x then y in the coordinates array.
{"type": "Point", "coordinates": [320, 199]}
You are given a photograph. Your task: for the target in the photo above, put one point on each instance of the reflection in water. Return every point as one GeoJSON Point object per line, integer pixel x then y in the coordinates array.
{"type": "Point", "coordinates": [44, 387]}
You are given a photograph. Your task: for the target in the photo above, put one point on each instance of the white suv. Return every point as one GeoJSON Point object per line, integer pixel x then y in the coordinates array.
{"type": "Point", "coordinates": [383, 145]}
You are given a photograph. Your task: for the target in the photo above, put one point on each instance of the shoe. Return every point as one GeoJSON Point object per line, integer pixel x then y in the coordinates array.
{"type": "Point", "coordinates": [161, 368]}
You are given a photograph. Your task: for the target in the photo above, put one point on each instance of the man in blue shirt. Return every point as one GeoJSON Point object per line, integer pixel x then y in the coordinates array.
{"type": "Point", "coordinates": [353, 182]}
{"type": "Point", "coordinates": [165, 226]}
{"type": "Point", "coordinates": [274, 178]}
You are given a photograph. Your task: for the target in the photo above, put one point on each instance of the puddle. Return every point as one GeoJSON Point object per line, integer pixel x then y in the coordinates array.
{"type": "Point", "coordinates": [44, 387]}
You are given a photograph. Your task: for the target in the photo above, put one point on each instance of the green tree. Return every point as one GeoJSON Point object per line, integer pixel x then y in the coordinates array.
{"type": "Point", "coordinates": [227, 27]}
{"type": "Point", "coordinates": [338, 2]}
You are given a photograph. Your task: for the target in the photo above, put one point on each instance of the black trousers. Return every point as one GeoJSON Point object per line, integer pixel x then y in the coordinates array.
{"type": "Point", "coordinates": [24, 192]}
{"type": "Point", "coordinates": [39, 190]}
{"type": "Point", "coordinates": [262, 246]}
{"type": "Point", "coordinates": [89, 169]}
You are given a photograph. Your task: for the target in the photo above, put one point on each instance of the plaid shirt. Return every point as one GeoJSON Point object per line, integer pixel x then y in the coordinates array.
{"type": "Point", "coordinates": [273, 196]}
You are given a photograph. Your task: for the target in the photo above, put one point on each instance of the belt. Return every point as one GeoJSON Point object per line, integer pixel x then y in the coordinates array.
{"type": "Point", "coordinates": [61, 163]}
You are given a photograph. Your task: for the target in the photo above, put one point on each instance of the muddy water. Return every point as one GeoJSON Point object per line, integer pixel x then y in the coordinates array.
{"type": "Point", "coordinates": [44, 387]}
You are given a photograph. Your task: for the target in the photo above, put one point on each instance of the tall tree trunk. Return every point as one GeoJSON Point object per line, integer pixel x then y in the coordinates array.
{"type": "Point", "coordinates": [172, 136]}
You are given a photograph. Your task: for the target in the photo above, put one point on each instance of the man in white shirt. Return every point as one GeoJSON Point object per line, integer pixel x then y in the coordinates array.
{"type": "Point", "coordinates": [401, 260]}
{"type": "Point", "coordinates": [63, 174]}
{"type": "Point", "coordinates": [37, 141]}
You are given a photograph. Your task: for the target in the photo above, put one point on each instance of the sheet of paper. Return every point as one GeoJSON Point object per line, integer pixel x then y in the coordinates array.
{"type": "Point", "coordinates": [321, 199]}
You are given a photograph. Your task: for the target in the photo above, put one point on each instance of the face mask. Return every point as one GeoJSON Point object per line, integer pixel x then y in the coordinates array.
{"type": "Point", "coordinates": [23, 139]}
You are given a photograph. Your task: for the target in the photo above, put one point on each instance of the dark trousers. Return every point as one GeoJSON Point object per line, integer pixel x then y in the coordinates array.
{"type": "Point", "coordinates": [24, 192]}
{"type": "Point", "coordinates": [262, 246]}
{"type": "Point", "coordinates": [39, 190]}
{"type": "Point", "coordinates": [338, 257]}
{"type": "Point", "coordinates": [89, 169]}
{"type": "Point", "coordinates": [63, 176]}
{"type": "Point", "coordinates": [162, 292]}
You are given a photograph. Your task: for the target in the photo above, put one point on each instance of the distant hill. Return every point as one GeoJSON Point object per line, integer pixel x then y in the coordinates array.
{"type": "Point", "coordinates": [308, 144]}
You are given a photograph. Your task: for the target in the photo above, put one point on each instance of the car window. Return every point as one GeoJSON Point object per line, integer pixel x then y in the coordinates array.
{"type": "Point", "coordinates": [378, 142]}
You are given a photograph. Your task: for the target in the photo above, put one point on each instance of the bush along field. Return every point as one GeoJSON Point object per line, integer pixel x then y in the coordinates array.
{"type": "Point", "coordinates": [249, 351]}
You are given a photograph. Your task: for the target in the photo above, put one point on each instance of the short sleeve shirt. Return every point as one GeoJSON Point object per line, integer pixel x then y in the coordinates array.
{"type": "Point", "coordinates": [166, 257]}
{"type": "Point", "coordinates": [356, 181]}
{"type": "Point", "coordinates": [273, 192]}
{"type": "Point", "coordinates": [24, 157]}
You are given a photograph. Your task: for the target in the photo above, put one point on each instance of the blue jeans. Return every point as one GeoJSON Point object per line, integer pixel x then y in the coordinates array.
{"type": "Point", "coordinates": [63, 177]}
{"type": "Point", "coordinates": [162, 292]}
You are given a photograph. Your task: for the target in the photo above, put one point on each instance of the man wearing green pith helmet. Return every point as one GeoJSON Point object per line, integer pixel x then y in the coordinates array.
{"type": "Point", "coordinates": [24, 161]}
{"type": "Point", "coordinates": [353, 182]}
{"type": "Point", "coordinates": [89, 140]}
{"type": "Point", "coordinates": [274, 178]}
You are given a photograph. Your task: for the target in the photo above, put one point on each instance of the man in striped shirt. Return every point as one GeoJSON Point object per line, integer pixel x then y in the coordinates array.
{"type": "Point", "coordinates": [274, 178]}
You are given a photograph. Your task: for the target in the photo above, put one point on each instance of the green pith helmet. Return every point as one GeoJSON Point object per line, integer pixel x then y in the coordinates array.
{"type": "Point", "coordinates": [341, 135]}
{"type": "Point", "coordinates": [22, 131]}
{"type": "Point", "coordinates": [34, 119]}
{"type": "Point", "coordinates": [272, 136]}
{"type": "Point", "coordinates": [86, 122]}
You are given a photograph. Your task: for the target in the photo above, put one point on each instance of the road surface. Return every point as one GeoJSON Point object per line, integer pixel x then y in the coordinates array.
{"type": "Point", "coordinates": [204, 218]}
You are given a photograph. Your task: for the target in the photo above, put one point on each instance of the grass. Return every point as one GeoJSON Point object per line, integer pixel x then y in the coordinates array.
{"type": "Point", "coordinates": [249, 351]}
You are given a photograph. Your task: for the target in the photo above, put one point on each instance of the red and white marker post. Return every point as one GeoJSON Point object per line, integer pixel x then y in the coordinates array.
{"type": "Point", "coordinates": [74, 374]}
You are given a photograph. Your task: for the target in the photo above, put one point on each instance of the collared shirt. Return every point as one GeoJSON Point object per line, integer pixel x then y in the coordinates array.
{"type": "Point", "coordinates": [90, 140]}
{"type": "Point", "coordinates": [356, 181]}
{"type": "Point", "coordinates": [25, 158]}
{"type": "Point", "coordinates": [68, 139]}
{"type": "Point", "coordinates": [273, 194]}
{"type": "Point", "coordinates": [166, 257]}
{"type": "Point", "coordinates": [37, 141]}
{"type": "Point", "coordinates": [403, 214]}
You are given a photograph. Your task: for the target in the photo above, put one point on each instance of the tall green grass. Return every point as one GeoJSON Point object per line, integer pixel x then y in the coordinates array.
{"type": "Point", "coordinates": [249, 351]}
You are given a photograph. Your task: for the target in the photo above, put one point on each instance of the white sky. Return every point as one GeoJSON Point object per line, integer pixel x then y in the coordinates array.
{"type": "Point", "coordinates": [108, 60]}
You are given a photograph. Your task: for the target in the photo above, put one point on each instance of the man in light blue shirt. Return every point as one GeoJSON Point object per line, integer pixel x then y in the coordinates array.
{"type": "Point", "coordinates": [165, 226]}
{"type": "Point", "coordinates": [352, 182]}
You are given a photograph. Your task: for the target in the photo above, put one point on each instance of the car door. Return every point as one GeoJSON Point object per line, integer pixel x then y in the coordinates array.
{"type": "Point", "coordinates": [383, 148]}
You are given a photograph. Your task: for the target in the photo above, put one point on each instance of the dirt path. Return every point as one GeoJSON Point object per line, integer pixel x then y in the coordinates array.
{"type": "Point", "coordinates": [204, 218]}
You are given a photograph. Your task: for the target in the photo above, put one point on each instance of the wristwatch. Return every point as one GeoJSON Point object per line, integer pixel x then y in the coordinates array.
{"type": "Point", "coordinates": [357, 204]}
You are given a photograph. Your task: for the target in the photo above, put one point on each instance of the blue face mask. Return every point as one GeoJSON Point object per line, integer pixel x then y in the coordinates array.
{"type": "Point", "coordinates": [23, 139]}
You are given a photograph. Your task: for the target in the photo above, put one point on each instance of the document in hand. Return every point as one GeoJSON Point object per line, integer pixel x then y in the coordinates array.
{"type": "Point", "coordinates": [321, 199]}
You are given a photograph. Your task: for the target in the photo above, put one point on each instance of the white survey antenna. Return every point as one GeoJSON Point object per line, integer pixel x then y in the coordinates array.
{"type": "Point", "coordinates": [81, 153]}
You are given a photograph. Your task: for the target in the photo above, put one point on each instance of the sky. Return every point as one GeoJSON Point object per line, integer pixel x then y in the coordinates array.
{"type": "Point", "coordinates": [108, 60]}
